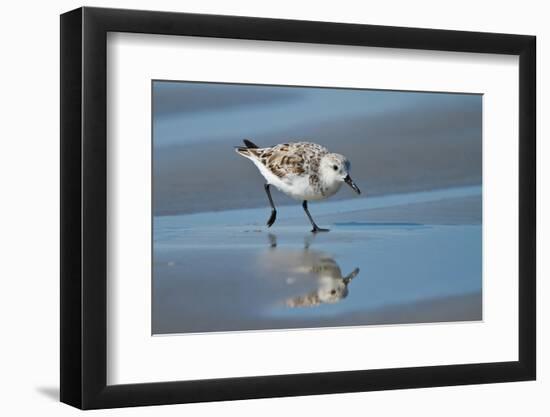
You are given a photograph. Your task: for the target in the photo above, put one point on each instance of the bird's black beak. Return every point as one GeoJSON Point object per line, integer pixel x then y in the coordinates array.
{"type": "Point", "coordinates": [350, 182]}
{"type": "Point", "coordinates": [352, 275]}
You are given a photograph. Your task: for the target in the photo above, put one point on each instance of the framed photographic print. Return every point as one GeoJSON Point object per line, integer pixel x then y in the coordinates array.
{"type": "Point", "coordinates": [257, 207]}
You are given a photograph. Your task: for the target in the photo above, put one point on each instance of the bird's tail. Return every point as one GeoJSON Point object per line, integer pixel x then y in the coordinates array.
{"type": "Point", "coordinates": [249, 144]}
{"type": "Point", "coordinates": [245, 150]}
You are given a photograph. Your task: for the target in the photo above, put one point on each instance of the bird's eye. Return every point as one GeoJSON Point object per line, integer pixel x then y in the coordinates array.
{"type": "Point", "coordinates": [335, 167]}
{"type": "Point", "coordinates": [333, 292]}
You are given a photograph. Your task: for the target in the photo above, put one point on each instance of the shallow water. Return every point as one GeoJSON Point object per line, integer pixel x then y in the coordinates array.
{"type": "Point", "coordinates": [226, 272]}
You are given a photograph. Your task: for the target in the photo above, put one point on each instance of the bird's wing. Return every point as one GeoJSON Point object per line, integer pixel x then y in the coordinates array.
{"type": "Point", "coordinates": [281, 160]}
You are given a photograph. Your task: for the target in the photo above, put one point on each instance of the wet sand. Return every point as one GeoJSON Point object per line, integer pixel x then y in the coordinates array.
{"type": "Point", "coordinates": [408, 250]}
{"type": "Point", "coordinates": [406, 258]}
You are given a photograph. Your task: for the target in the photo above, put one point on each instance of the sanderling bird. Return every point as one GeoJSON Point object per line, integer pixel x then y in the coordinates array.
{"type": "Point", "coordinates": [302, 170]}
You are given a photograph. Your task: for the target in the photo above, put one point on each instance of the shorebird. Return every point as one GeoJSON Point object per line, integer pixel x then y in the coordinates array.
{"type": "Point", "coordinates": [302, 170]}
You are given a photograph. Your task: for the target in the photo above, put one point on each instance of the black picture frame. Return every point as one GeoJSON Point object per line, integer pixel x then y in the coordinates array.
{"type": "Point", "coordinates": [84, 207]}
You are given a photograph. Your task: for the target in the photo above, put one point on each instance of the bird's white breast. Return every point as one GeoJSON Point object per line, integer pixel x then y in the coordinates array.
{"type": "Point", "coordinates": [298, 187]}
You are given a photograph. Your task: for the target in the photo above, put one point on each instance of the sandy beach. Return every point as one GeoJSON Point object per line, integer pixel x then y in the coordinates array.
{"type": "Point", "coordinates": [225, 271]}
{"type": "Point", "coordinates": [396, 142]}
{"type": "Point", "coordinates": [408, 250]}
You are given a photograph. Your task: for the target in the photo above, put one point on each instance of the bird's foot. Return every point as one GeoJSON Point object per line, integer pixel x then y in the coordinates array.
{"type": "Point", "coordinates": [318, 229]}
{"type": "Point", "coordinates": [272, 218]}
{"type": "Point", "coordinates": [272, 240]}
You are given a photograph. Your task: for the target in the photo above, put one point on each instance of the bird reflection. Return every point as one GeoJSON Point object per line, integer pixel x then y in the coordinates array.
{"type": "Point", "coordinates": [304, 269]}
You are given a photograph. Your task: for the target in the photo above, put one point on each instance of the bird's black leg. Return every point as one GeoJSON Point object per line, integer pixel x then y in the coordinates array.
{"type": "Point", "coordinates": [315, 227]}
{"type": "Point", "coordinates": [273, 209]}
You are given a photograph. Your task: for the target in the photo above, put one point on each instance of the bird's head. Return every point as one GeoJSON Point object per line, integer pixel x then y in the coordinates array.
{"type": "Point", "coordinates": [334, 169]}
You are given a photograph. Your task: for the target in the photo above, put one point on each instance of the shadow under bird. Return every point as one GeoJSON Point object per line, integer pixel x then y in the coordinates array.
{"type": "Point", "coordinates": [304, 171]}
